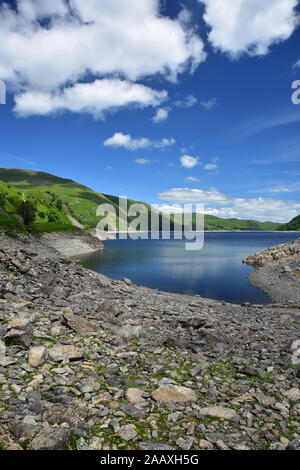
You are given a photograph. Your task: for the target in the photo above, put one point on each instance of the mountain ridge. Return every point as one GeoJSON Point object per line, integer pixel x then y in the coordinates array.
{"type": "Point", "coordinates": [80, 202]}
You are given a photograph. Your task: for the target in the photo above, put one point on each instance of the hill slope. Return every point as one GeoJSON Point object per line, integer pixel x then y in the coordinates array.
{"type": "Point", "coordinates": [79, 203]}
{"type": "Point", "coordinates": [68, 202]}
{"type": "Point", "coordinates": [216, 223]}
{"type": "Point", "coordinates": [293, 225]}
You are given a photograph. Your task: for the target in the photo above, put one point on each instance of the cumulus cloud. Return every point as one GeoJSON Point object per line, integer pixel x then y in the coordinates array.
{"type": "Point", "coordinates": [193, 196]}
{"type": "Point", "coordinates": [161, 115]}
{"type": "Point", "coordinates": [243, 26]}
{"type": "Point", "coordinates": [33, 9]}
{"type": "Point", "coordinates": [189, 162]}
{"type": "Point", "coordinates": [94, 98]}
{"type": "Point", "coordinates": [126, 141]}
{"type": "Point", "coordinates": [261, 209]}
{"type": "Point", "coordinates": [47, 45]}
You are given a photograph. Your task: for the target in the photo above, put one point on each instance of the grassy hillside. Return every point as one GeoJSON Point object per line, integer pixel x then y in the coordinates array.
{"type": "Point", "coordinates": [38, 211]}
{"type": "Point", "coordinates": [293, 225]}
{"type": "Point", "coordinates": [78, 201]}
{"type": "Point", "coordinates": [216, 223]}
{"type": "Point", "coordinates": [57, 201]}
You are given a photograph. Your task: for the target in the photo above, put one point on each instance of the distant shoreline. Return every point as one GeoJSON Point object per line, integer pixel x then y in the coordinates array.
{"type": "Point", "coordinates": [110, 235]}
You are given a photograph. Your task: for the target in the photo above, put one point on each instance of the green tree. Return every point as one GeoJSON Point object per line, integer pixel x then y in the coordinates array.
{"type": "Point", "coordinates": [27, 210]}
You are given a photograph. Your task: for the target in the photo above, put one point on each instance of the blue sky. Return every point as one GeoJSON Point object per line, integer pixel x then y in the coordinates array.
{"type": "Point", "coordinates": [165, 102]}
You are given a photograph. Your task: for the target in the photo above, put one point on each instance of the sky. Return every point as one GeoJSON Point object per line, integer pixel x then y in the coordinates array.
{"type": "Point", "coordinates": [165, 101]}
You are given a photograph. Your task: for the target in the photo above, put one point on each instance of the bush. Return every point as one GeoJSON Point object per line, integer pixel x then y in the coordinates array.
{"type": "Point", "coordinates": [52, 217]}
{"type": "Point", "coordinates": [59, 204]}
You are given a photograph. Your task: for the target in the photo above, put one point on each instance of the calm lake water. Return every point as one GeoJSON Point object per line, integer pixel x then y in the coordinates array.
{"type": "Point", "coordinates": [215, 272]}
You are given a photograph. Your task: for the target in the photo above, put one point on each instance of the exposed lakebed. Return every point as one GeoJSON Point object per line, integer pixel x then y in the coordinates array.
{"type": "Point", "coordinates": [215, 272]}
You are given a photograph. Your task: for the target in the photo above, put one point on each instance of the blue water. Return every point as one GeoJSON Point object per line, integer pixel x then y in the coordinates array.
{"type": "Point", "coordinates": [215, 272]}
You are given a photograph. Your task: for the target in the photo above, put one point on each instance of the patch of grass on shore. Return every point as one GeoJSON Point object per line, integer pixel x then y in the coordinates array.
{"type": "Point", "coordinates": [50, 227]}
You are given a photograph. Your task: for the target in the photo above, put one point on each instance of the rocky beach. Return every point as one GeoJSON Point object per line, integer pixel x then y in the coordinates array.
{"type": "Point", "coordinates": [91, 363]}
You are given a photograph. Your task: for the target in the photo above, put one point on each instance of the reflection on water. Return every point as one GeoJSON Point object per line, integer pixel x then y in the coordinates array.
{"type": "Point", "coordinates": [214, 272]}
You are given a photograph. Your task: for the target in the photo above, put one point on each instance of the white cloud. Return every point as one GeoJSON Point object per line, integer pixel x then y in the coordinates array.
{"type": "Point", "coordinates": [193, 196]}
{"type": "Point", "coordinates": [126, 141]}
{"type": "Point", "coordinates": [189, 162]}
{"type": "Point", "coordinates": [187, 102]}
{"type": "Point", "coordinates": [213, 165]}
{"type": "Point", "coordinates": [101, 38]}
{"type": "Point", "coordinates": [161, 115]}
{"type": "Point", "coordinates": [164, 143]}
{"type": "Point", "coordinates": [192, 179]}
{"type": "Point", "coordinates": [243, 26]}
{"type": "Point", "coordinates": [277, 189]}
{"type": "Point", "coordinates": [211, 103]}
{"type": "Point", "coordinates": [33, 9]}
{"type": "Point", "coordinates": [142, 161]}
{"type": "Point", "coordinates": [210, 166]}
{"type": "Point", "coordinates": [94, 98]}
{"type": "Point", "coordinates": [262, 209]}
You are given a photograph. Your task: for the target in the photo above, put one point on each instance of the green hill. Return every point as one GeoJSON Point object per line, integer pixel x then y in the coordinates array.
{"type": "Point", "coordinates": [216, 223]}
{"type": "Point", "coordinates": [78, 203]}
{"type": "Point", "coordinates": [60, 203]}
{"type": "Point", "coordinates": [293, 225]}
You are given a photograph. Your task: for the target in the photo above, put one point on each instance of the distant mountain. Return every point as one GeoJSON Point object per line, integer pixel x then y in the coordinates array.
{"type": "Point", "coordinates": [63, 204]}
{"type": "Point", "coordinates": [293, 225]}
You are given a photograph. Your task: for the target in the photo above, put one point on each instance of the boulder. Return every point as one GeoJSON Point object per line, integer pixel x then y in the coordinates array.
{"type": "Point", "coordinates": [219, 412]}
{"type": "Point", "coordinates": [36, 355]}
{"type": "Point", "coordinates": [174, 393]}
{"type": "Point", "coordinates": [50, 439]}
{"type": "Point", "coordinates": [19, 332]}
{"type": "Point", "coordinates": [135, 397]}
{"type": "Point", "coordinates": [128, 432]}
{"type": "Point", "coordinates": [60, 353]}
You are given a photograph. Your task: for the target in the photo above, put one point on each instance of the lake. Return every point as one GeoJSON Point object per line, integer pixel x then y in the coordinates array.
{"type": "Point", "coordinates": [215, 272]}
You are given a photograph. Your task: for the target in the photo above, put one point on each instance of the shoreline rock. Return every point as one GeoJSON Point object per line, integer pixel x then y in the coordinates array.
{"type": "Point", "coordinates": [73, 244]}
{"type": "Point", "coordinates": [277, 272]}
{"type": "Point", "coordinates": [82, 381]}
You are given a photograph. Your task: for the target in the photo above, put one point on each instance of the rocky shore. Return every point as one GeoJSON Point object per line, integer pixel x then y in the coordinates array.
{"type": "Point", "coordinates": [278, 272]}
{"type": "Point", "coordinates": [74, 244]}
{"type": "Point", "coordinates": [91, 363]}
